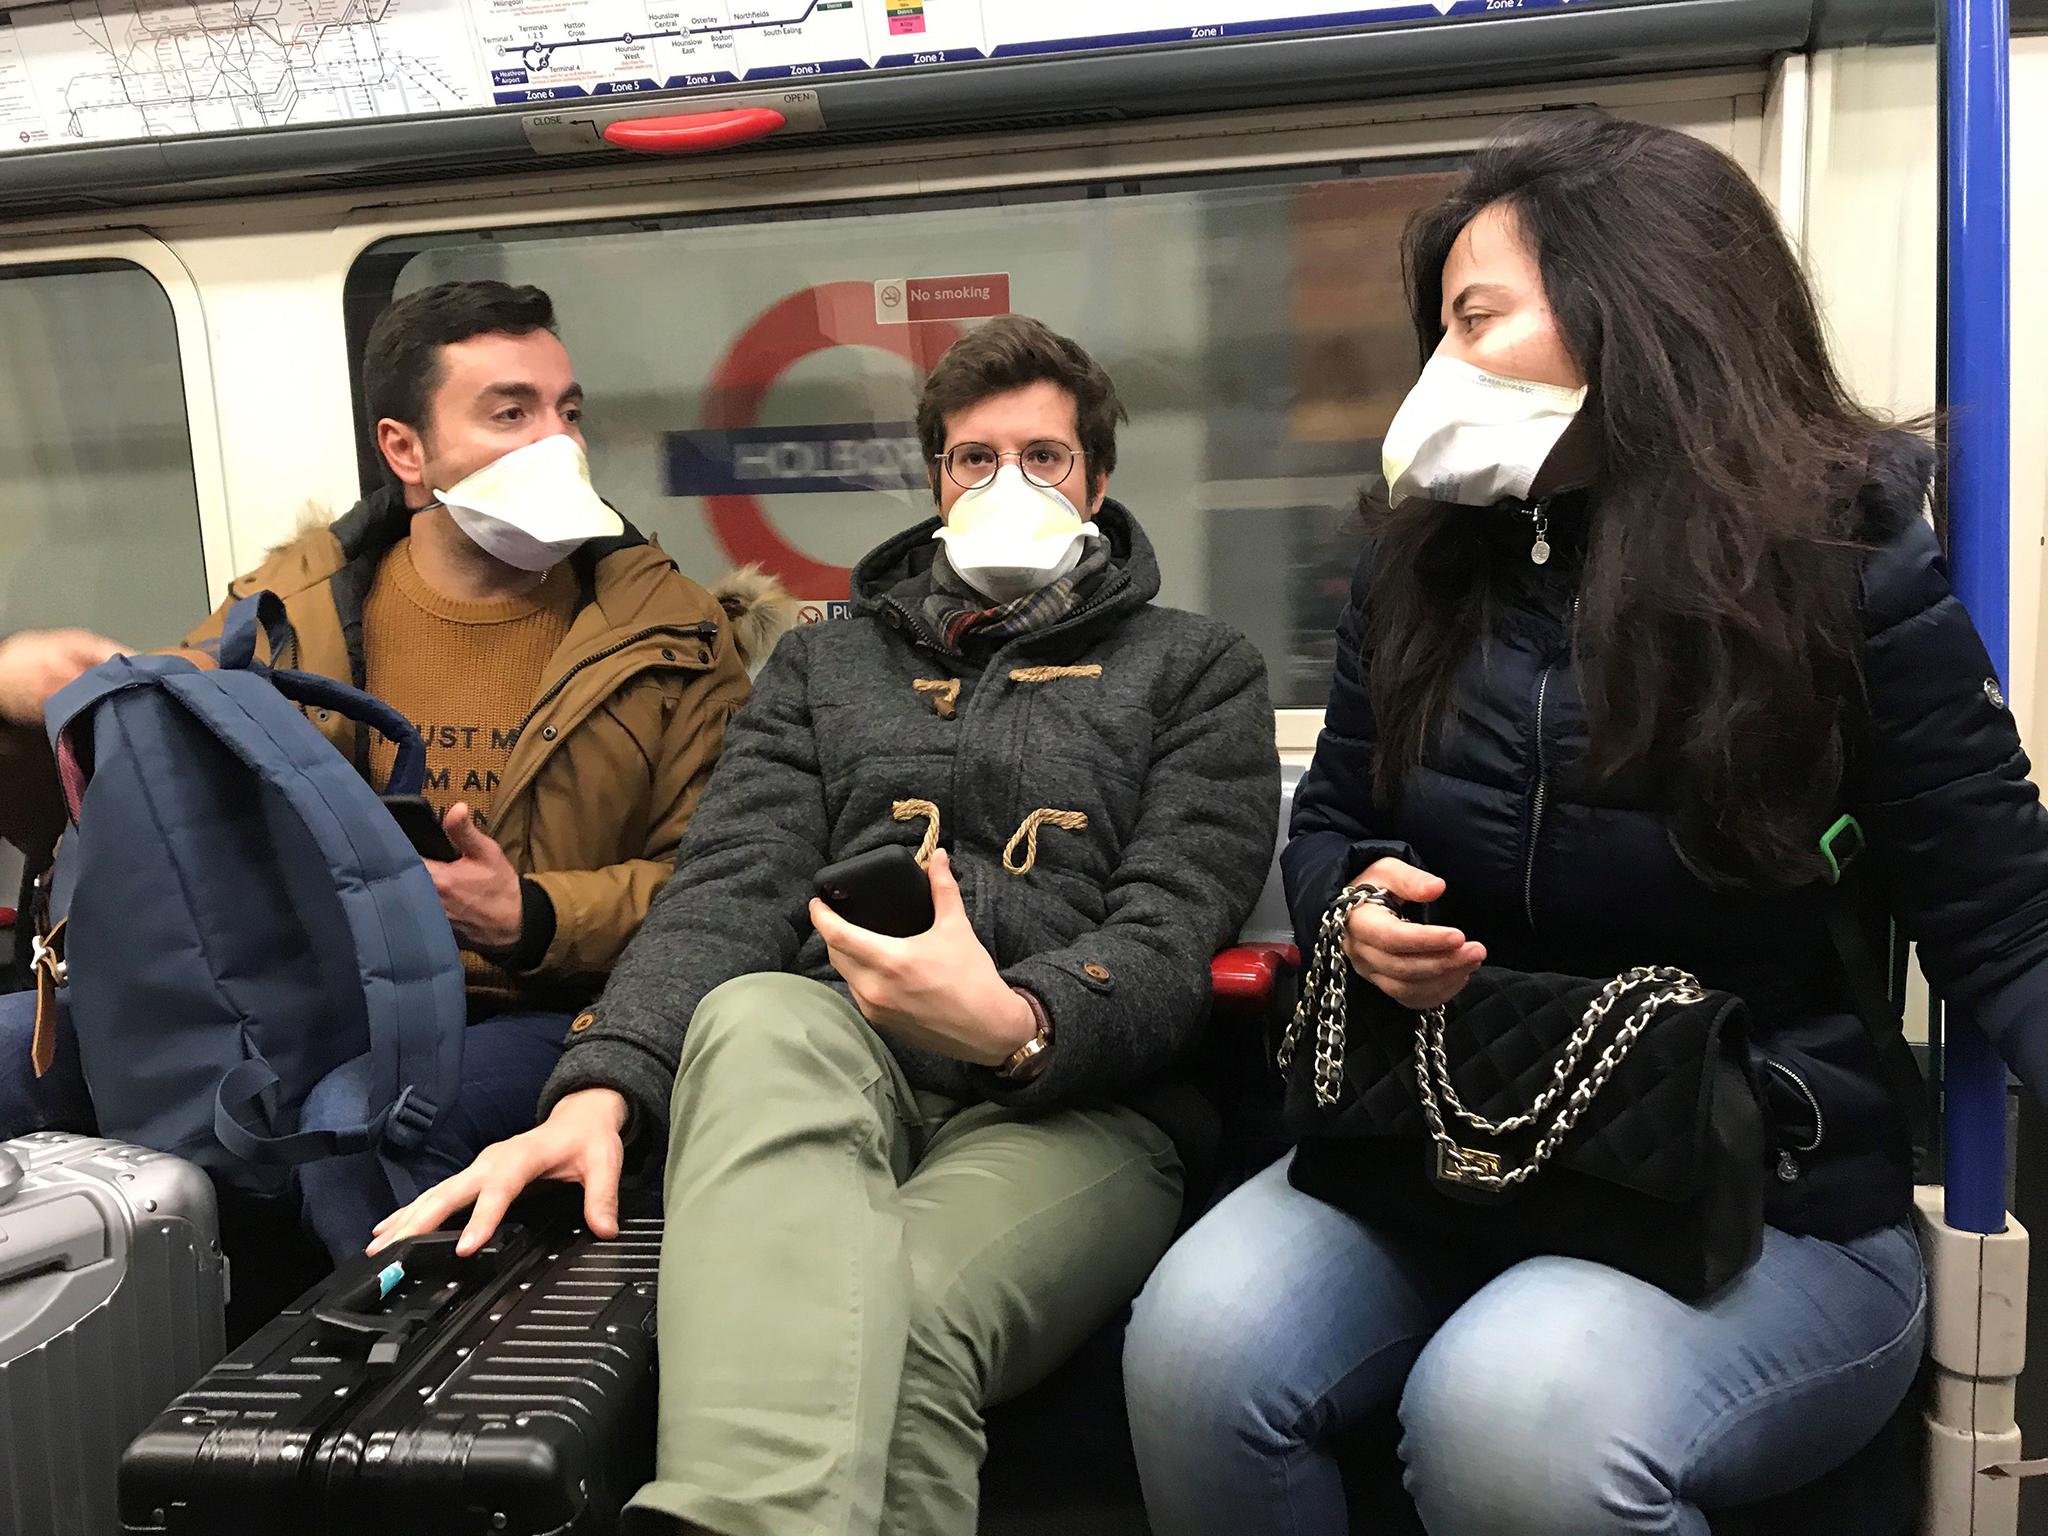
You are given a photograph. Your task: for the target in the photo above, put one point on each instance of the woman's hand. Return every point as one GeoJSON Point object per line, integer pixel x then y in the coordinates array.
{"type": "Point", "coordinates": [940, 990]}
{"type": "Point", "coordinates": [579, 1142]}
{"type": "Point", "coordinates": [1418, 967]}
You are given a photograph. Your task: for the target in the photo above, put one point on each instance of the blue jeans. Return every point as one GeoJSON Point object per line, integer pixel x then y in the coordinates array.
{"type": "Point", "coordinates": [1560, 1398]}
{"type": "Point", "coordinates": [56, 1101]}
{"type": "Point", "coordinates": [505, 1064]}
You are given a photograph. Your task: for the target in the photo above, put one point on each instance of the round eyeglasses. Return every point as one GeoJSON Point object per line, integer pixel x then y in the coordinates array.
{"type": "Point", "coordinates": [973, 465]}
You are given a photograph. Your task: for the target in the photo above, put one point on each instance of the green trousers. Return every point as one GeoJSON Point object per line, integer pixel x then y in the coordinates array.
{"type": "Point", "coordinates": [854, 1271]}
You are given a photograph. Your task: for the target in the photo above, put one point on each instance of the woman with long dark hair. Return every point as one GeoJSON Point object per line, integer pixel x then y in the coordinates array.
{"type": "Point", "coordinates": [1653, 607]}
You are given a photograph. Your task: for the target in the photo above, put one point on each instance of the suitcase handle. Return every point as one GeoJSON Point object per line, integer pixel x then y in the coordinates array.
{"type": "Point", "coordinates": [419, 1258]}
{"type": "Point", "coordinates": [424, 1259]}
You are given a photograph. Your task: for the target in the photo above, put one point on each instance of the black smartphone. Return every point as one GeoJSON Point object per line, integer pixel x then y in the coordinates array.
{"type": "Point", "coordinates": [882, 891]}
{"type": "Point", "coordinates": [421, 824]}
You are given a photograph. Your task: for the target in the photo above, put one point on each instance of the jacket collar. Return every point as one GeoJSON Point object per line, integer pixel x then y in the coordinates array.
{"type": "Point", "coordinates": [1896, 480]}
{"type": "Point", "coordinates": [368, 531]}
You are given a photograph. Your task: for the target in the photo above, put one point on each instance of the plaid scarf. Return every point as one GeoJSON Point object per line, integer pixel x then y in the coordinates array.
{"type": "Point", "coordinates": [957, 613]}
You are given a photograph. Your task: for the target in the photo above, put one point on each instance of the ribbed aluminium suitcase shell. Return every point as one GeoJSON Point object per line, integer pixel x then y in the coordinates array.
{"type": "Point", "coordinates": [112, 1293]}
{"type": "Point", "coordinates": [510, 1395]}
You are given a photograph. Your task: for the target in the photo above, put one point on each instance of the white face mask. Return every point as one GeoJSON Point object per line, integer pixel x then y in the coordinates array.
{"type": "Point", "coordinates": [1471, 437]}
{"type": "Point", "coordinates": [534, 506]}
{"type": "Point", "coordinates": [1010, 537]}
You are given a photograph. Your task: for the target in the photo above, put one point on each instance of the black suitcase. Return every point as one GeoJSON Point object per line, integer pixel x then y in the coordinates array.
{"type": "Point", "coordinates": [417, 1394]}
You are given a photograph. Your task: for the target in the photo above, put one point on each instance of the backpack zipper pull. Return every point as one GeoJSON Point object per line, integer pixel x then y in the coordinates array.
{"type": "Point", "coordinates": [1539, 552]}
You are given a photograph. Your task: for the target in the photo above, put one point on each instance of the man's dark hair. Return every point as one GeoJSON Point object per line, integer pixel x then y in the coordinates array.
{"type": "Point", "coordinates": [1014, 352]}
{"type": "Point", "coordinates": [402, 359]}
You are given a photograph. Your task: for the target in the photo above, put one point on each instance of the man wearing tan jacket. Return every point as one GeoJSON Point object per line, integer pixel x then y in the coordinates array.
{"type": "Point", "coordinates": [572, 688]}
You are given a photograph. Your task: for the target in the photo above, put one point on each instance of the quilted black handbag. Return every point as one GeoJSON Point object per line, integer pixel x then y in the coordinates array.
{"type": "Point", "coordinates": [1607, 1120]}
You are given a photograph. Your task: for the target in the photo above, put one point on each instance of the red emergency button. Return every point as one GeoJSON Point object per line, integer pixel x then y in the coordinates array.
{"type": "Point", "coordinates": [694, 133]}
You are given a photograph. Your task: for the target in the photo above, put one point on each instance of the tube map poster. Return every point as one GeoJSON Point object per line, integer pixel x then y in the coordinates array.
{"type": "Point", "coordinates": [91, 71]}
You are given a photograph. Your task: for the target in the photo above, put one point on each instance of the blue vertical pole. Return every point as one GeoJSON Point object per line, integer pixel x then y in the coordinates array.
{"type": "Point", "coordinates": [1977, 300]}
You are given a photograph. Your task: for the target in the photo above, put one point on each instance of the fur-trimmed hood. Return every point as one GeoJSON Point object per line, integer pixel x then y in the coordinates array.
{"type": "Point", "coordinates": [758, 608]}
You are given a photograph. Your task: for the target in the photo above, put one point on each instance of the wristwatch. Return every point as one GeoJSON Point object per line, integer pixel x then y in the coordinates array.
{"type": "Point", "coordinates": [1030, 1058]}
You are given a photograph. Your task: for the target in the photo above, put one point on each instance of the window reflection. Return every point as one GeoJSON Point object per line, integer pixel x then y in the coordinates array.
{"type": "Point", "coordinates": [753, 374]}
{"type": "Point", "coordinates": [99, 525]}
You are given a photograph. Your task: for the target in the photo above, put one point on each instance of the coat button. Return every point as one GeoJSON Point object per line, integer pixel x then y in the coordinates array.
{"type": "Point", "coordinates": [549, 733]}
{"type": "Point", "coordinates": [667, 654]}
{"type": "Point", "coordinates": [1994, 693]}
{"type": "Point", "coordinates": [1095, 972]}
{"type": "Point", "coordinates": [583, 1022]}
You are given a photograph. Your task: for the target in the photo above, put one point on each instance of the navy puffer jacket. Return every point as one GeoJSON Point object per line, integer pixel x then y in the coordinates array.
{"type": "Point", "coordinates": [1552, 873]}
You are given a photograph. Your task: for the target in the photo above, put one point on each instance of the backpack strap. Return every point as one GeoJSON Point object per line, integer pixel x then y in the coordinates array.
{"type": "Point", "coordinates": [409, 771]}
{"type": "Point", "coordinates": [260, 613]}
{"type": "Point", "coordinates": [264, 612]}
{"type": "Point", "coordinates": [1869, 980]}
{"type": "Point", "coordinates": [47, 960]}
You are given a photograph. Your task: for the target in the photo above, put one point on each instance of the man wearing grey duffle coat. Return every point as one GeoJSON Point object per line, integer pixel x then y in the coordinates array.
{"type": "Point", "coordinates": [906, 1177]}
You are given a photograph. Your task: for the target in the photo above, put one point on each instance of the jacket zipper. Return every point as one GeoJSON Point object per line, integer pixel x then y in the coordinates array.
{"type": "Point", "coordinates": [1536, 803]}
{"type": "Point", "coordinates": [1788, 1165]}
{"type": "Point", "coordinates": [705, 632]}
{"type": "Point", "coordinates": [1108, 590]}
{"type": "Point", "coordinates": [1542, 791]}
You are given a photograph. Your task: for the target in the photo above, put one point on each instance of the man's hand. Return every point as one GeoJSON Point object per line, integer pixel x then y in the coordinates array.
{"type": "Point", "coordinates": [1418, 967]}
{"type": "Point", "coordinates": [37, 662]}
{"type": "Point", "coordinates": [579, 1142]}
{"type": "Point", "coordinates": [480, 890]}
{"type": "Point", "coordinates": [939, 990]}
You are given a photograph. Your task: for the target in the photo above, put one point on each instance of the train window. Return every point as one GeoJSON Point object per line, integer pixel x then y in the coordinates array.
{"type": "Point", "coordinates": [753, 373]}
{"type": "Point", "coordinates": [100, 523]}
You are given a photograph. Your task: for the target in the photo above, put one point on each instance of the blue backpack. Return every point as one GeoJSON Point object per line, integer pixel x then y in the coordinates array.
{"type": "Point", "coordinates": [242, 915]}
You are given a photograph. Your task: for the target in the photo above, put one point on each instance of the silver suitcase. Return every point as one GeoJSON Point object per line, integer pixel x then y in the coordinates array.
{"type": "Point", "coordinates": [112, 1298]}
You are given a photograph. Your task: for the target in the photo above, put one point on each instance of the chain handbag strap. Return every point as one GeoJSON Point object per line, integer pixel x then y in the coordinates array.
{"type": "Point", "coordinates": [1561, 1070]}
{"type": "Point", "coordinates": [1322, 992]}
{"type": "Point", "coordinates": [1484, 1170]}
{"type": "Point", "coordinates": [1322, 1004]}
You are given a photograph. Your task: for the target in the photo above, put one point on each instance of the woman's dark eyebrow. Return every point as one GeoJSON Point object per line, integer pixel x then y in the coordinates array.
{"type": "Point", "coordinates": [1479, 290]}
